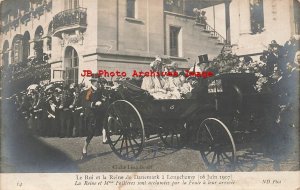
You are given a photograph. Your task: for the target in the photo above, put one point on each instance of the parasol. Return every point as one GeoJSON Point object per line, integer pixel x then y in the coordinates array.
{"type": "Point", "coordinates": [32, 87]}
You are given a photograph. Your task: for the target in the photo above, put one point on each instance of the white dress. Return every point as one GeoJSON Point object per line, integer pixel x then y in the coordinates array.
{"type": "Point", "coordinates": [156, 86]}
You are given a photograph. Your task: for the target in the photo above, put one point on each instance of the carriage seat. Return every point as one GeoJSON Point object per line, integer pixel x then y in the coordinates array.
{"type": "Point", "coordinates": [134, 86]}
{"type": "Point", "coordinates": [131, 90]}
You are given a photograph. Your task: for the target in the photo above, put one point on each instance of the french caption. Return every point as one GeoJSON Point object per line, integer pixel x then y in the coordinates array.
{"type": "Point", "coordinates": [152, 180]}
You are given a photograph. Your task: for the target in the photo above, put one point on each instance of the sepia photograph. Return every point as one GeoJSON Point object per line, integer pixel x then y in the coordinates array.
{"type": "Point", "coordinates": [149, 94]}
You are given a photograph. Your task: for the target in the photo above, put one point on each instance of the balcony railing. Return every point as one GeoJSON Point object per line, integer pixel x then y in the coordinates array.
{"type": "Point", "coordinates": [69, 19]}
{"type": "Point", "coordinates": [26, 18]}
{"type": "Point", "coordinates": [213, 33]}
{"type": "Point", "coordinates": [37, 12]}
{"type": "Point", "coordinates": [15, 23]}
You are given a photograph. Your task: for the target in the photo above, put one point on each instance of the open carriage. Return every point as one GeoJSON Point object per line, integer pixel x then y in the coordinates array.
{"type": "Point", "coordinates": [213, 121]}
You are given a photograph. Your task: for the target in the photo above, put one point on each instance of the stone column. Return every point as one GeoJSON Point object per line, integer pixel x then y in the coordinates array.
{"type": "Point", "coordinates": [8, 54]}
{"type": "Point", "coordinates": [31, 50]}
{"type": "Point", "coordinates": [227, 18]}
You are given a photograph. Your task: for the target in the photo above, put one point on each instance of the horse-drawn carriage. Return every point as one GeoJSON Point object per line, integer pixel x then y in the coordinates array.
{"type": "Point", "coordinates": [220, 116]}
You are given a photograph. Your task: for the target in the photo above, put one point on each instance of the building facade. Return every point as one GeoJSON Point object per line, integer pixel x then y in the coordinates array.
{"type": "Point", "coordinates": [80, 35]}
{"type": "Point", "coordinates": [124, 35]}
{"type": "Point", "coordinates": [253, 24]}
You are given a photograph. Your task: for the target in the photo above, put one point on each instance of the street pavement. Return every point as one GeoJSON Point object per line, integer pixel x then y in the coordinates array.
{"type": "Point", "coordinates": [23, 152]}
{"type": "Point", "coordinates": [156, 158]}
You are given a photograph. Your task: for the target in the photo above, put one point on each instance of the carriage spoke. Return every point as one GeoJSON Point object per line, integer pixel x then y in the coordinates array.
{"type": "Point", "coordinates": [135, 141]}
{"type": "Point", "coordinates": [218, 159]}
{"type": "Point", "coordinates": [125, 129]}
{"type": "Point", "coordinates": [126, 143]}
{"type": "Point", "coordinates": [116, 111]}
{"type": "Point", "coordinates": [122, 144]}
{"type": "Point", "coordinates": [224, 153]}
{"type": "Point", "coordinates": [217, 139]}
{"type": "Point", "coordinates": [209, 132]}
{"type": "Point", "coordinates": [214, 157]}
{"type": "Point", "coordinates": [117, 140]}
{"type": "Point", "coordinates": [208, 153]}
{"type": "Point", "coordinates": [132, 147]}
{"type": "Point", "coordinates": [224, 160]}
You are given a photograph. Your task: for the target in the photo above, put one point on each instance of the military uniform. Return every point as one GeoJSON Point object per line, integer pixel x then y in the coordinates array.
{"type": "Point", "coordinates": [77, 114]}
{"type": "Point", "coordinates": [39, 115]}
{"type": "Point", "coordinates": [53, 103]}
{"type": "Point", "coordinates": [65, 118]}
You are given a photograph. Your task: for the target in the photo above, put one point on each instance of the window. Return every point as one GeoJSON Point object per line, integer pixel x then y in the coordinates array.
{"type": "Point", "coordinates": [175, 41]}
{"type": "Point", "coordinates": [71, 4]}
{"type": "Point", "coordinates": [17, 53]}
{"type": "Point", "coordinates": [58, 74]}
{"type": "Point", "coordinates": [131, 9]}
{"type": "Point", "coordinates": [72, 75]}
{"type": "Point", "coordinates": [26, 50]}
{"type": "Point", "coordinates": [177, 6]}
{"type": "Point", "coordinates": [257, 16]}
{"type": "Point", "coordinates": [76, 3]}
{"type": "Point", "coordinates": [296, 6]}
{"type": "Point", "coordinates": [71, 65]}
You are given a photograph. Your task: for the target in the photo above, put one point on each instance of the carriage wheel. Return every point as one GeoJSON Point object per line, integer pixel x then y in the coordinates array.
{"type": "Point", "coordinates": [125, 130]}
{"type": "Point", "coordinates": [217, 147]}
{"type": "Point", "coordinates": [171, 136]}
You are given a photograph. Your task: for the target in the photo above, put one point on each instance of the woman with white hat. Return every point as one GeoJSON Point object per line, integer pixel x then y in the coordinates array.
{"type": "Point", "coordinates": [173, 83]}
{"type": "Point", "coordinates": [155, 85]}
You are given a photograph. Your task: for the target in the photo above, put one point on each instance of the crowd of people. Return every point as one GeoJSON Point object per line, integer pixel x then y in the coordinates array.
{"type": "Point", "coordinates": [56, 109]}
{"type": "Point", "coordinates": [200, 16]}
{"type": "Point", "coordinates": [277, 72]}
{"type": "Point", "coordinates": [26, 70]}
{"type": "Point", "coordinates": [274, 64]}
{"type": "Point", "coordinates": [53, 109]}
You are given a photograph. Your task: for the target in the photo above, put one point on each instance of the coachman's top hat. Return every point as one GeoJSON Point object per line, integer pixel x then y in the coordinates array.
{"type": "Point", "coordinates": [203, 58]}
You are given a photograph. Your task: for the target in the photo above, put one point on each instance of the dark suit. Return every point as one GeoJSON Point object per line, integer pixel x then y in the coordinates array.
{"type": "Point", "coordinates": [53, 115]}
{"type": "Point", "coordinates": [276, 59]}
{"type": "Point", "coordinates": [93, 114]}
{"type": "Point", "coordinates": [65, 114]}
{"type": "Point", "coordinates": [77, 115]}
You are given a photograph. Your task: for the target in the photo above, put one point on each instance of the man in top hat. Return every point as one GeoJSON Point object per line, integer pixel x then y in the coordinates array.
{"type": "Point", "coordinates": [201, 64]}
{"type": "Point", "coordinates": [92, 104]}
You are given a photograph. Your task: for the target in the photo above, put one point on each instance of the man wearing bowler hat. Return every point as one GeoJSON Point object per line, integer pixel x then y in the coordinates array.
{"type": "Point", "coordinates": [201, 64]}
{"type": "Point", "coordinates": [93, 104]}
